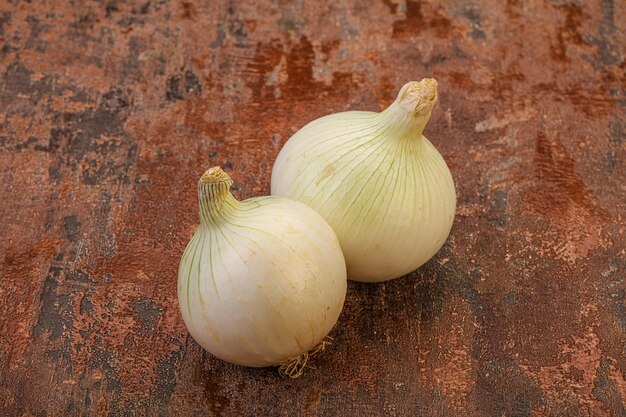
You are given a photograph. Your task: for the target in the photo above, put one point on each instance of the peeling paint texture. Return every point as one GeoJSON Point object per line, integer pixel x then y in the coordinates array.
{"type": "Point", "coordinates": [110, 111]}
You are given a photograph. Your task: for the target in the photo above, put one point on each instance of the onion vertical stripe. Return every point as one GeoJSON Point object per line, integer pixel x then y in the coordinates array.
{"type": "Point", "coordinates": [379, 183]}
{"type": "Point", "coordinates": [262, 281]}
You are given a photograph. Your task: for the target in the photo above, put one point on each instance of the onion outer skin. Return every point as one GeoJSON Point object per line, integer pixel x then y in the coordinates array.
{"type": "Point", "coordinates": [262, 280]}
{"type": "Point", "coordinates": [380, 184]}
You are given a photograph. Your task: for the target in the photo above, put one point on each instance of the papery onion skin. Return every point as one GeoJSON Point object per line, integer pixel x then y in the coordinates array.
{"type": "Point", "coordinates": [262, 280]}
{"type": "Point", "coordinates": [381, 185]}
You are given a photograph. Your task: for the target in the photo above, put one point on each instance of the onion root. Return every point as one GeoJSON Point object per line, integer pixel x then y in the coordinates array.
{"type": "Point", "coordinates": [294, 366]}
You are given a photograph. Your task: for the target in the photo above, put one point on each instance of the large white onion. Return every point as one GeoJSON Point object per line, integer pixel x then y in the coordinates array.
{"type": "Point", "coordinates": [379, 183]}
{"type": "Point", "coordinates": [263, 280]}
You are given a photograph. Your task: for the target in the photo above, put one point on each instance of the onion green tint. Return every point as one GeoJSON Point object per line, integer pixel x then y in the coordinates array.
{"type": "Point", "coordinates": [379, 183]}
{"type": "Point", "coordinates": [263, 280]}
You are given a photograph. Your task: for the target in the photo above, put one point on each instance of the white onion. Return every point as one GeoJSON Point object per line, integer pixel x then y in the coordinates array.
{"type": "Point", "coordinates": [379, 183]}
{"type": "Point", "coordinates": [263, 280]}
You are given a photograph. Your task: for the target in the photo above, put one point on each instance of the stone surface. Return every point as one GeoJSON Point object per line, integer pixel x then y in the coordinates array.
{"type": "Point", "coordinates": [111, 110]}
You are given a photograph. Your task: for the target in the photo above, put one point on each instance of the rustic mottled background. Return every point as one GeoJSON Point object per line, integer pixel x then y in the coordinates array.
{"type": "Point", "coordinates": [110, 111]}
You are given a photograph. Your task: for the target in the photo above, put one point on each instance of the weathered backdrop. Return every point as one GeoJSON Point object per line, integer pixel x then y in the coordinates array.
{"type": "Point", "coordinates": [111, 110]}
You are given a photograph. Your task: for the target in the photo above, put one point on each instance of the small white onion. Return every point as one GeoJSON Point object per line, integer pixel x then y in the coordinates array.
{"type": "Point", "coordinates": [379, 183]}
{"type": "Point", "coordinates": [263, 280]}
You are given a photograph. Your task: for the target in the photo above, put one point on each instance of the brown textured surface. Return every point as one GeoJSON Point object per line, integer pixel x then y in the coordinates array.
{"type": "Point", "coordinates": [110, 111]}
